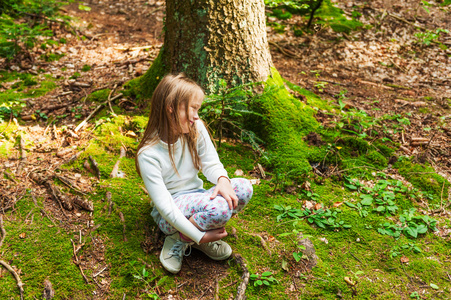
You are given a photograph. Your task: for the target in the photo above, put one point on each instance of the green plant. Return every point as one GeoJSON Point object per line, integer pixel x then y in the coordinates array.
{"type": "Point", "coordinates": [288, 211]}
{"type": "Point", "coordinates": [149, 280]}
{"type": "Point", "coordinates": [86, 68]}
{"type": "Point", "coordinates": [265, 279]}
{"type": "Point", "coordinates": [18, 37]}
{"type": "Point", "coordinates": [427, 37]}
{"type": "Point", "coordinates": [415, 295]}
{"type": "Point", "coordinates": [226, 112]}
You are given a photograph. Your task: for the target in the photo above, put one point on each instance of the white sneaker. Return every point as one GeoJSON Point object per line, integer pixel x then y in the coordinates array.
{"type": "Point", "coordinates": [218, 250]}
{"type": "Point", "coordinates": [173, 251]}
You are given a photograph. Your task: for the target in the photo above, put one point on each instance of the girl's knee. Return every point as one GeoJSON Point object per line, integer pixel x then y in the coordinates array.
{"type": "Point", "coordinates": [243, 188]}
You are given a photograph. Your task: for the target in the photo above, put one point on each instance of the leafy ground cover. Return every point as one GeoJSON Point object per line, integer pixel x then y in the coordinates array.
{"type": "Point", "coordinates": [370, 218]}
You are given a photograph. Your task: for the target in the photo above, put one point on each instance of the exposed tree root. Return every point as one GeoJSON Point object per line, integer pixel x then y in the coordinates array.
{"type": "Point", "coordinates": [241, 291]}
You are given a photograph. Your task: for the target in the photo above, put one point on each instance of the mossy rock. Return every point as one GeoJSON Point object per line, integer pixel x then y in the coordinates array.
{"type": "Point", "coordinates": [99, 96]}
{"type": "Point", "coordinates": [424, 178]}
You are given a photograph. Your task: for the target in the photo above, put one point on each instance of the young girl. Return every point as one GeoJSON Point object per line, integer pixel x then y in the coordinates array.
{"type": "Point", "coordinates": [175, 146]}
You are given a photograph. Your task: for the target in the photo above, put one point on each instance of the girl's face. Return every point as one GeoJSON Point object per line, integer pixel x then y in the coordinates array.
{"type": "Point", "coordinates": [188, 120]}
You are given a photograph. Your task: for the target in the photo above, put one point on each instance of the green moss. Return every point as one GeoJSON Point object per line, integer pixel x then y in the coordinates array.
{"type": "Point", "coordinates": [99, 96]}
{"type": "Point", "coordinates": [149, 81]}
{"type": "Point", "coordinates": [311, 98]}
{"type": "Point", "coordinates": [285, 122]}
{"type": "Point", "coordinates": [424, 178]}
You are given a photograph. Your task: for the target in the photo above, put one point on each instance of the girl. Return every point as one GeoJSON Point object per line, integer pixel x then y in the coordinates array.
{"type": "Point", "coordinates": [175, 146]}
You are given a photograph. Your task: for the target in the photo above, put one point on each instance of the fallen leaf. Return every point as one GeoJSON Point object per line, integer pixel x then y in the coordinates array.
{"type": "Point", "coordinates": [255, 181]}
{"type": "Point", "coordinates": [306, 186]}
{"type": "Point", "coordinates": [285, 265]}
{"type": "Point", "coordinates": [349, 281]}
{"type": "Point", "coordinates": [404, 259]}
{"type": "Point", "coordinates": [270, 238]}
{"type": "Point", "coordinates": [308, 204]}
{"type": "Point", "coordinates": [318, 206]}
{"type": "Point", "coordinates": [324, 240]}
{"type": "Point", "coordinates": [337, 204]}
{"type": "Point", "coordinates": [131, 134]}
{"type": "Point", "coordinates": [22, 235]}
{"type": "Point", "coordinates": [238, 172]}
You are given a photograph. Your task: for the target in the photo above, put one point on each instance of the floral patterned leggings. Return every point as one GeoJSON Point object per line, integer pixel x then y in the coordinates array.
{"type": "Point", "coordinates": [210, 214]}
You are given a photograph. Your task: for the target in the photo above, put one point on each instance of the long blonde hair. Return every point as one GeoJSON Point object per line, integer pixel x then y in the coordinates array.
{"type": "Point", "coordinates": [164, 121]}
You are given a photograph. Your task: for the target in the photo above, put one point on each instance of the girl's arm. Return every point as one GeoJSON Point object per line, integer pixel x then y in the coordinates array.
{"type": "Point", "coordinates": [151, 174]}
{"type": "Point", "coordinates": [213, 169]}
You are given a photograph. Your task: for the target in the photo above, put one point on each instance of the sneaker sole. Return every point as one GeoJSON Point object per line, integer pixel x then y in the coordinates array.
{"type": "Point", "coordinates": [225, 256]}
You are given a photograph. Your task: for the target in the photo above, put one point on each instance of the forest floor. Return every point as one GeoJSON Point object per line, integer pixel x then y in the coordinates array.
{"type": "Point", "coordinates": [104, 246]}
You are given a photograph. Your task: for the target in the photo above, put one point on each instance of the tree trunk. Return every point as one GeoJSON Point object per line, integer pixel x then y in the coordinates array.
{"type": "Point", "coordinates": [211, 40]}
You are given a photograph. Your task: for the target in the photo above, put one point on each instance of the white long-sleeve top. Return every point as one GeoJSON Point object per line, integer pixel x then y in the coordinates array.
{"type": "Point", "coordinates": [162, 182]}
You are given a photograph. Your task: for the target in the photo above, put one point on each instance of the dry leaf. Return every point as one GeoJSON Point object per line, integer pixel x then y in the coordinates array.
{"type": "Point", "coordinates": [324, 240]}
{"type": "Point", "coordinates": [131, 134]}
{"type": "Point", "coordinates": [404, 259]}
{"type": "Point", "coordinates": [22, 235]}
{"type": "Point", "coordinates": [238, 172]}
{"type": "Point", "coordinates": [270, 238]}
{"type": "Point", "coordinates": [308, 204]}
{"type": "Point", "coordinates": [318, 206]}
{"type": "Point", "coordinates": [255, 181]}
{"type": "Point", "coordinates": [337, 204]}
{"type": "Point", "coordinates": [306, 186]}
{"type": "Point", "coordinates": [349, 281]}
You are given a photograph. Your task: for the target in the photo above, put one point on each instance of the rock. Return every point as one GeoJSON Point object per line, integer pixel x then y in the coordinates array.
{"type": "Point", "coordinates": [309, 251]}
{"type": "Point", "coordinates": [48, 293]}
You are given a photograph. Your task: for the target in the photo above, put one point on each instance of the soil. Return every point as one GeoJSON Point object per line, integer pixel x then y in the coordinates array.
{"type": "Point", "coordinates": [384, 70]}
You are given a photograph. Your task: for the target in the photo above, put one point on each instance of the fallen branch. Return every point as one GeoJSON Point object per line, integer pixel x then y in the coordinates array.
{"type": "Point", "coordinates": [241, 291]}
{"type": "Point", "coordinates": [95, 111]}
{"type": "Point", "coordinates": [285, 52]}
{"type": "Point", "coordinates": [116, 166]}
{"type": "Point", "coordinates": [86, 205]}
{"type": "Point", "coordinates": [100, 272]}
{"type": "Point", "coordinates": [19, 282]}
{"type": "Point", "coordinates": [69, 184]}
{"type": "Point", "coordinates": [77, 262]}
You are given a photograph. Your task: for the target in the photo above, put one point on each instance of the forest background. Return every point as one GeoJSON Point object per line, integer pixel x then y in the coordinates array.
{"type": "Point", "coordinates": [351, 178]}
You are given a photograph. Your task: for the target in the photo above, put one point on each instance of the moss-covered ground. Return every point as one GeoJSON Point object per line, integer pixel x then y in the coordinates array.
{"type": "Point", "coordinates": [373, 227]}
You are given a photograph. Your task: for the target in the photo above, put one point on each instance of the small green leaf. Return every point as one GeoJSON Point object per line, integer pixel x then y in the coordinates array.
{"type": "Point", "coordinates": [259, 282]}
{"type": "Point", "coordinates": [84, 7]}
{"type": "Point", "coordinates": [267, 273]}
{"type": "Point", "coordinates": [266, 282]}
{"type": "Point", "coordinates": [434, 286]}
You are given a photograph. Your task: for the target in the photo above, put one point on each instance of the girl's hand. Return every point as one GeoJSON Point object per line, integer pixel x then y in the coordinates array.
{"type": "Point", "coordinates": [224, 188]}
{"type": "Point", "coordinates": [213, 235]}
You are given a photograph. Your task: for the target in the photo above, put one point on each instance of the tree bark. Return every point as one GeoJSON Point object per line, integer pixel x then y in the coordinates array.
{"type": "Point", "coordinates": [211, 40]}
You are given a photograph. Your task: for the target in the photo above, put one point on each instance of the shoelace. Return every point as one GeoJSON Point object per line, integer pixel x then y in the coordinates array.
{"type": "Point", "coordinates": [179, 250]}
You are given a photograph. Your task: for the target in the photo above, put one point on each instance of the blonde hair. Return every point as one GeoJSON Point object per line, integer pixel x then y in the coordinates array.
{"type": "Point", "coordinates": [164, 121]}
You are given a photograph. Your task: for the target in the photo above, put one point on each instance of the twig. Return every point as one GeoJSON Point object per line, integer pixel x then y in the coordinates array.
{"type": "Point", "coordinates": [23, 156]}
{"type": "Point", "coordinates": [262, 242]}
{"type": "Point", "coordinates": [19, 282]}
{"type": "Point", "coordinates": [42, 210]}
{"type": "Point", "coordinates": [69, 184]}
{"type": "Point", "coordinates": [121, 215]}
{"type": "Point", "coordinates": [405, 21]}
{"type": "Point", "coordinates": [109, 99]}
{"type": "Point", "coordinates": [2, 230]}
{"type": "Point", "coordinates": [10, 177]}
{"type": "Point", "coordinates": [241, 291]}
{"type": "Point", "coordinates": [100, 272]}
{"type": "Point", "coordinates": [355, 257]}
{"type": "Point", "coordinates": [95, 111]}
{"type": "Point", "coordinates": [77, 262]}
{"type": "Point", "coordinates": [217, 289]}
{"type": "Point", "coordinates": [284, 51]}
{"type": "Point", "coordinates": [95, 165]}
{"type": "Point", "coordinates": [110, 202]}
{"type": "Point", "coordinates": [116, 166]}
